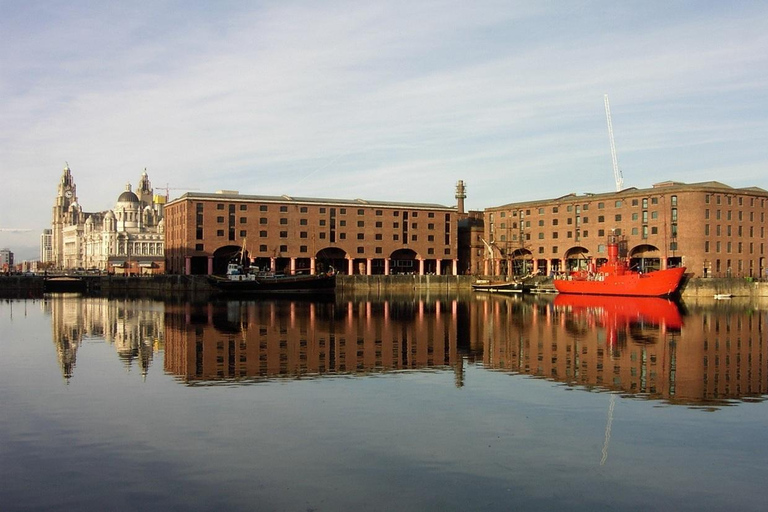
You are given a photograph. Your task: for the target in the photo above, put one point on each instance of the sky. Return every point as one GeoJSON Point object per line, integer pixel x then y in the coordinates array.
{"type": "Point", "coordinates": [391, 101]}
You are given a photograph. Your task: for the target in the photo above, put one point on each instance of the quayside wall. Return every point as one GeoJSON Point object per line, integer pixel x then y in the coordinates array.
{"type": "Point", "coordinates": [167, 286]}
{"type": "Point", "coordinates": [738, 287]}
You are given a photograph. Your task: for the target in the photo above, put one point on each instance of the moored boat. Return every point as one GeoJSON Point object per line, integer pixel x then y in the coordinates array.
{"type": "Point", "coordinates": [616, 278]}
{"type": "Point", "coordinates": [241, 281]}
{"type": "Point", "coordinates": [484, 285]}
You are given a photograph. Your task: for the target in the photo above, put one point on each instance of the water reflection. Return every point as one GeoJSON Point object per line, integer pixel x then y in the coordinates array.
{"type": "Point", "coordinates": [277, 339]}
{"type": "Point", "coordinates": [134, 328]}
{"type": "Point", "coordinates": [641, 347]}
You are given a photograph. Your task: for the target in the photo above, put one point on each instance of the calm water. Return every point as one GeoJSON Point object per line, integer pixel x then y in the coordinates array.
{"type": "Point", "coordinates": [435, 403]}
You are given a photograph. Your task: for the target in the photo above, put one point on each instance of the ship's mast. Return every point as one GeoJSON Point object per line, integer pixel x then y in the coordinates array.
{"type": "Point", "coordinates": [617, 176]}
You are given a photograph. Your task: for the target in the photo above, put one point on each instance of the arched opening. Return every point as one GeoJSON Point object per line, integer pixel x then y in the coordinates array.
{"type": "Point", "coordinates": [645, 258]}
{"type": "Point", "coordinates": [223, 256]}
{"type": "Point", "coordinates": [331, 257]}
{"type": "Point", "coordinates": [403, 261]}
{"type": "Point", "coordinates": [577, 259]}
{"type": "Point", "coordinates": [522, 262]}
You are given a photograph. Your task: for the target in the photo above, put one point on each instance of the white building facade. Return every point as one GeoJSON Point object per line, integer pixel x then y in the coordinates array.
{"type": "Point", "coordinates": [46, 247]}
{"type": "Point", "coordinates": [130, 236]}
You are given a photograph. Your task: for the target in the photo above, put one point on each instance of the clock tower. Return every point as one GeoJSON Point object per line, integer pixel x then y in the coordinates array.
{"type": "Point", "coordinates": [62, 214]}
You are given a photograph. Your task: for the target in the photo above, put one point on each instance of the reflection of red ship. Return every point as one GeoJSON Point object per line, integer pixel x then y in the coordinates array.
{"type": "Point", "coordinates": [625, 310]}
{"type": "Point", "coordinates": [614, 277]}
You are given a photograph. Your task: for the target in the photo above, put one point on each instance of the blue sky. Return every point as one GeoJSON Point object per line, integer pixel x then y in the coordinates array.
{"type": "Point", "coordinates": [377, 100]}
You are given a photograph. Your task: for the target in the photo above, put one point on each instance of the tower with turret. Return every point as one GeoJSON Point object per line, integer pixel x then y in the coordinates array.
{"type": "Point", "coordinates": [62, 215]}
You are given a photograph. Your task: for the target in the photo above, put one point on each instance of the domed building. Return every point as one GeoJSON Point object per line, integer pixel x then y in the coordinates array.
{"type": "Point", "coordinates": [128, 239]}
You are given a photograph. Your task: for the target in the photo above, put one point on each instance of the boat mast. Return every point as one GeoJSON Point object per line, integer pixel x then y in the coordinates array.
{"type": "Point", "coordinates": [617, 176]}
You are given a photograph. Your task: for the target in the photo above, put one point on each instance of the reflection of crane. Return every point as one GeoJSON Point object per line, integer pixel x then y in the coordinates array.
{"type": "Point", "coordinates": [167, 188]}
{"type": "Point", "coordinates": [608, 429]}
{"type": "Point", "coordinates": [616, 171]}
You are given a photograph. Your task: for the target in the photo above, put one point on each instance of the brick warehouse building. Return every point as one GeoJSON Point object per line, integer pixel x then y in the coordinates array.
{"type": "Point", "coordinates": [296, 234]}
{"type": "Point", "coordinates": [712, 229]}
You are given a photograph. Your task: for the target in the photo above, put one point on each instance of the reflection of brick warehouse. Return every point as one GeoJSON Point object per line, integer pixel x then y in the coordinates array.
{"type": "Point", "coordinates": [710, 228]}
{"type": "Point", "coordinates": [715, 355]}
{"type": "Point", "coordinates": [729, 350]}
{"type": "Point", "coordinates": [291, 234]}
{"type": "Point", "coordinates": [268, 339]}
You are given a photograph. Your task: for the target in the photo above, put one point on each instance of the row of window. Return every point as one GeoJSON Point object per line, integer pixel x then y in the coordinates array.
{"type": "Point", "coordinates": [644, 231]}
{"type": "Point", "coordinates": [729, 247]}
{"type": "Point", "coordinates": [729, 199]}
{"type": "Point", "coordinates": [739, 231]}
{"type": "Point", "coordinates": [323, 223]}
{"type": "Point", "coordinates": [585, 207]}
{"type": "Point", "coordinates": [644, 202]}
{"type": "Point", "coordinates": [321, 210]}
{"type": "Point", "coordinates": [600, 219]}
{"type": "Point", "coordinates": [263, 248]}
{"type": "Point", "coordinates": [740, 215]}
{"type": "Point", "coordinates": [728, 269]}
{"type": "Point", "coordinates": [322, 236]}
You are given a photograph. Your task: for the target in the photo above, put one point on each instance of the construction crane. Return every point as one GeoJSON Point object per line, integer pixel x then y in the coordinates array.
{"type": "Point", "coordinates": [616, 171]}
{"type": "Point", "coordinates": [168, 188]}
{"type": "Point", "coordinates": [15, 230]}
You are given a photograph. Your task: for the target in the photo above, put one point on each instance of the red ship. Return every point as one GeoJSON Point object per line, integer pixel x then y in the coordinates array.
{"type": "Point", "coordinates": [615, 277]}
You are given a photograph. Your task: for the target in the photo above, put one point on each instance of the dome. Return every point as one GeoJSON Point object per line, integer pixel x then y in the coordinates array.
{"type": "Point", "coordinates": [128, 196]}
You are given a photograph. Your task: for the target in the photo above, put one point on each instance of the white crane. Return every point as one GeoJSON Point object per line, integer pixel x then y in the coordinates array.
{"type": "Point", "coordinates": [15, 230]}
{"type": "Point", "coordinates": [616, 171]}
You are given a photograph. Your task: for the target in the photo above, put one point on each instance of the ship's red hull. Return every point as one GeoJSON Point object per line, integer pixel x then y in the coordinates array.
{"type": "Point", "coordinates": [653, 284]}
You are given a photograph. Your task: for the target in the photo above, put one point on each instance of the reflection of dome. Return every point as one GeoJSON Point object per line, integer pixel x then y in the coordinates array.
{"type": "Point", "coordinates": [128, 196]}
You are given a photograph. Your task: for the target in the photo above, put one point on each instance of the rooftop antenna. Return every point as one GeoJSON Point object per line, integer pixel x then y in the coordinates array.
{"type": "Point", "coordinates": [617, 176]}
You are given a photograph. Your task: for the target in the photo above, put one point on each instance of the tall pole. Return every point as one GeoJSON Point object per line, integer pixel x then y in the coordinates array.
{"type": "Point", "coordinates": [616, 171]}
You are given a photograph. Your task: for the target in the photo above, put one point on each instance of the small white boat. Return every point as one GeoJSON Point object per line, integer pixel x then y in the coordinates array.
{"type": "Point", "coordinates": [483, 285]}
{"type": "Point", "coordinates": [723, 296]}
